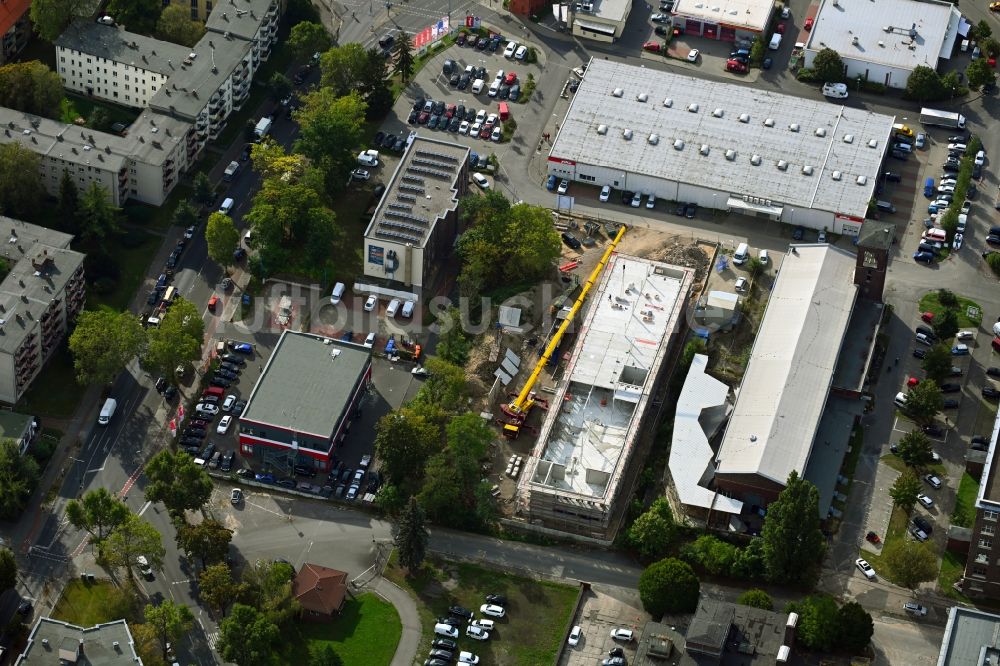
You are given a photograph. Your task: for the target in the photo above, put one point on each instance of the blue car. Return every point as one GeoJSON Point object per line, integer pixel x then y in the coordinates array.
{"type": "Point", "coordinates": [264, 478]}
{"type": "Point", "coordinates": [960, 350]}
{"type": "Point", "coordinates": [798, 234]}
{"type": "Point", "coordinates": [929, 188]}
{"type": "Point", "coordinates": [243, 348]}
{"type": "Point", "coordinates": [932, 208]}
{"type": "Point", "coordinates": [923, 257]}
{"type": "Point", "coordinates": [550, 183]}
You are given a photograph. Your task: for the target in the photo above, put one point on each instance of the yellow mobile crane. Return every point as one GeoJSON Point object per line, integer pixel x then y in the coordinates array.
{"type": "Point", "coordinates": [518, 408]}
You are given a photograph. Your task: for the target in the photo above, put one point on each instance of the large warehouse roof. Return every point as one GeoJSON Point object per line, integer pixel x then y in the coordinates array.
{"type": "Point", "coordinates": [895, 33]}
{"type": "Point", "coordinates": [784, 389]}
{"type": "Point", "coordinates": [725, 137]}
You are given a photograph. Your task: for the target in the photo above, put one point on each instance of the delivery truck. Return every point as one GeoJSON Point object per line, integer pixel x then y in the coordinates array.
{"type": "Point", "coordinates": [263, 127]}
{"type": "Point", "coordinates": [942, 118]}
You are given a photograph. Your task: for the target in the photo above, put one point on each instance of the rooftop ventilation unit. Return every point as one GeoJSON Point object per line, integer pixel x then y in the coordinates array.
{"type": "Point", "coordinates": [807, 170]}
{"type": "Point", "coordinates": [881, 43]}
{"type": "Point", "coordinates": [836, 175]}
{"type": "Point", "coordinates": [782, 165]}
{"type": "Point", "coordinates": [718, 113]}
{"type": "Point", "coordinates": [848, 138]}
{"type": "Point", "coordinates": [854, 40]}
{"type": "Point", "coordinates": [627, 134]}
{"type": "Point", "coordinates": [730, 154]}
{"type": "Point", "coordinates": [668, 102]}
{"type": "Point", "coordinates": [820, 131]}
{"type": "Point", "coordinates": [617, 92]}
{"type": "Point", "coordinates": [602, 129]}
{"type": "Point", "coordinates": [704, 149]}
{"type": "Point", "coordinates": [693, 108]}
{"type": "Point", "coordinates": [769, 122]}
{"type": "Point", "coordinates": [873, 143]}
{"type": "Point", "coordinates": [794, 127]}
{"type": "Point", "coordinates": [862, 180]}
{"type": "Point", "coordinates": [653, 139]}
{"type": "Point", "coordinates": [755, 160]}
{"type": "Point", "coordinates": [678, 144]}
{"type": "Point", "coordinates": [641, 97]}
{"type": "Point", "coordinates": [744, 117]}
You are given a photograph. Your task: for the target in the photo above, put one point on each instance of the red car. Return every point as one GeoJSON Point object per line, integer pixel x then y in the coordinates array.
{"type": "Point", "coordinates": [485, 133]}
{"type": "Point", "coordinates": [423, 117]}
{"type": "Point", "coordinates": [736, 66]}
{"type": "Point", "coordinates": [927, 317]}
{"type": "Point", "coordinates": [780, 29]}
{"type": "Point", "coordinates": [212, 302]}
{"type": "Point", "coordinates": [652, 47]}
{"type": "Point", "coordinates": [809, 23]}
{"type": "Point", "coordinates": [510, 78]}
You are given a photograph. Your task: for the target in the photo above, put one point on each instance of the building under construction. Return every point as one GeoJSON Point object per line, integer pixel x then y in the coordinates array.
{"type": "Point", "coordinates": [576, 478]}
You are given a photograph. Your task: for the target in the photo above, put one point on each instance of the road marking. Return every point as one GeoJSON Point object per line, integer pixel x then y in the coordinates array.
{"type": "Point", "coordinates": [144, 508]}
{"type": "Point", "coordinates": [212, 638]}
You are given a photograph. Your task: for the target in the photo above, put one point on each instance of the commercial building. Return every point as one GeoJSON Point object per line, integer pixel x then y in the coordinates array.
{"type": "Point", "coordinates": [982, 569]}
{"type": "Point", "coordinates": [727, 20]}
{"type": "Point", "coordinates": [56, 642]}
{"type": "Point", "coordinates": [15, 28]}
{"type": "Point", "coordinates": [784, 392]}
{"type": "Point", "coordinates": [303, 404]}
{"type": "Point", "coordinates": [38, 299]}
{"type": "Point", "coordinates": [415, 224]}
{"type": "Point", "coordinates": [883, 42]}
{"type": "Point", "coordinates": [722, 146]}
{"type": "Point", "coordinates": [600, 20]}
{"type": "Point", "coordinates": [575, 479]}
{"type": "Point", "coordinates": [970, 638]}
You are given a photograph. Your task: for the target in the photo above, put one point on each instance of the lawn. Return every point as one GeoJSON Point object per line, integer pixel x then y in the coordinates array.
{"type": "Point", "coordinates": [85, 106]}
{"type": "Point", "coordinates": [965, 501]}
{"type": "Point", "coordinates": [54, 392]}
{"type": "Point", "coordinates": [930, 303]}
{"type": "Point", "coordinates": [531, 633]}
{"type": "Point", "coordinates": [133, 262]}
{"type": "Point", "coordinates": [897, 530]}
{"type": "Point", "coordinates": [952, 569]}
{"type": "Point", "coordinates": [366, 632]}
{"type": "Point", "coordinates": [159, 218]}
{"type": "Point", "coordinates": [895, 462]}
{"type": "Point", "coordinates": [87, 604]}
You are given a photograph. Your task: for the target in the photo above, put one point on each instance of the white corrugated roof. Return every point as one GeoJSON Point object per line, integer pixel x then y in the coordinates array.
{"type": "Point", "coordinates": [690, 453]}
{"type": "Point", "coordinates": [791, 366]}
{"type": "Point", "coordinates": [740, 14]}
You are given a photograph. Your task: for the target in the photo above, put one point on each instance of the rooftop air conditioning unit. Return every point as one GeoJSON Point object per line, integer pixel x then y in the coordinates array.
{"type": "Point", "coordinates": [782, 165]}
{"type": "Point", "coordinates": [744, 117]}
{"type": "Point", "coordinates": [641, 97]}
{"type": "Point", "coordinates": [617, 92]}
{"type": "Point", "coordinates": [718, 113]}
{"type": "Point", "coordinates": [807, 170]}
{"type": "Point", "coordinates": [769, 122]}
{"type": "Point", "coordinates": [693, 108]}
{"type": "Point", "coordinates": [848, 138]}
{"type": "Point", "coordinates": [820, 131]}
{"type": "Point", "coordinates": [602, 129]}
{"type": "Point", "coordinates": [678, 144]}
{"type": "Point", "coordinates": [653, 139]}
{"type": "Point", "coordinates": [730, 154]}
{"type": "Point", "coordinates": [668, 102]}
{"type": "Point", "coordinates": [836, 175]}
{"type": "Point", "coordinates": [794, 127]}
{"type": "Point", "coordinates": [704, 149]}
{"type": "Point", "coordinates": [627, 134]}
{"type": "Point", "coordinates": [755, 160]}
{"type": "Point", "coordinates": [862, 180]}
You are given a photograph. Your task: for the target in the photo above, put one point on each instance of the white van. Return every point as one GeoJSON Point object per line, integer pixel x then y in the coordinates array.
{"type": "Point", "coordinates": [742, 254]}
{"type": "Point", "coordinates": [494, 89]}
{"type": "Point", "coordinates": [900, 399]}
{"type": "Point", "coordinates": [478, 86]}
{"type": "Point", "coordinates": [107, 411]}
{"type": "Point", "coordinates": [337, 293]}
{"type": "Point", "coordinates": [227, 205]}
{"type": "Point", "coordinates": [407, 311]}
{"type": "Point", "coordinates": [390, 311]}
{"type": "Point", "coordinates": [835, 90]}
{"type": "Point", "coordinates": [775, 42]}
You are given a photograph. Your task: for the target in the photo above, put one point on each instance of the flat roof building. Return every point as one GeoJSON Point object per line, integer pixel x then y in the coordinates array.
{"type": "Point", "coordinates": [971, 638]}
{"type": "Point", "coordinates": [784, 391]}
{"type": "Point", "coordinates": [574, 479]}
{"type": "Point", "coordinates": [19, 427]}
{"type": "Point", "coordinates": [883, 42]}
{"type": "Point", "coordinates": [721, 146]}
{"type": "Point", "coordinates": [982, 568]}
{"type": "Point", "coordinates": [57, 642]}
{"type": "Point", "coordinates": [600, 20]}
{"type": "Point", "coordinates": [725, 20]}
{"type": "Point", "coordinates": [302, 405]}
{"type": "Point", "coordinates": [415, 224]}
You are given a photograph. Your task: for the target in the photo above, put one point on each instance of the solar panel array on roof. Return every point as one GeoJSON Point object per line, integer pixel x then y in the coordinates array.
{"type": "Point", "coordinates": [397, 220]}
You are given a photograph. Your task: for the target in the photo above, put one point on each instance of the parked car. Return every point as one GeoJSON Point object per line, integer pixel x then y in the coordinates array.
{"type": "Point", "coordinates": [235, 496]}
{"type": "Point", "coordinates": [492, 610]}
{"type": "Point", "coordinates": [571, 240]}
{"type": "Point", "coordinates": [925, 501]}
{"type": "Point", "coordinates": [933, 481]}
{"type": "Point", "coordinates": [914, 608]}
{"type": "Point", "coordinates": [865, 568]}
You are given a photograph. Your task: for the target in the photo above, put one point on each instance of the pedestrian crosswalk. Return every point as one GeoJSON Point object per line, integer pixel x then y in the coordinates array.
{"type": "Point", "coordinates": [212, 638]}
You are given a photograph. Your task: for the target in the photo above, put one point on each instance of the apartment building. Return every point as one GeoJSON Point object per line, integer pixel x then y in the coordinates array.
{"type": "Point", "coordinates": [15, 28]}
{"type": "Point", "coordinates": [982, 569]}
{"type": "Point", "coordinates": [42, 293]}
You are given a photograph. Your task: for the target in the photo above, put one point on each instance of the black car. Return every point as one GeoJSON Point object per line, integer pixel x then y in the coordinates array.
{"type": "Point", "coordinates": [445, 644]}
{"type": "Point", "coordinates": [950, 403]}
{"type": "Point", "coordinates": [239, 407]}
{"type": "Point", "coordinates": [388, 142]}
{"type": "Point", "coordinates": [494, 44]}
{"type": "Point", "coordinates": [226, 374]}
{"type": "Point", "coordinates": [571, 240]}
{"type": "Point", "coordinates": [515, 92]}
{"type": "Point", "coordinates": [399, 145]}
{"type": "Point", "coordinates": [454, 125]}
{"type": "Point", "coordinates": [174, 257]}
{"type": "Point", "coordinates": [192, 449]}
{"type": "Point", "coordinates": [482, 43]}
{"type": "Point", "coordinates": [616, 651]}
{"type": "Point", "coordinates": [446, 655]}
{"type": "Point", "coordinates": [190, 443]}
{"type": "Point", "coordinates": [480, 73]}
{"type": "Point", "coordinates": [929, 332]}
{"type": "Point", "coordinates": [990, 393]}
{"type": "Point", "coordinates": [346, 474]}
{"type": "Point", "coordinates": [949, 387]}
{"type": "Point", "coordinates": [993, 239]}
{"type": "Point", "coordinates": [681, 207]}
{"type": "Point", "coordinates": [660, 30]}
{"type": "Point", "coordinates": [470, 115]}
{"type": "Point", "coordinates": [923, 524]}
{"type": "Point", "coordinates": [950, 167]}
{"type": "Point", "coordinates": [496, 599]}
{"type": "Point", "coordinates": [690, 210]}
{"type": "Point", "coordinates": [453, 81]}
{"type": "Point", "coordinates": [504, 92]}
{"type": "Point", "coordinates": [154, 297]}
{"type": "Point", "coordinates": [227, 462]}
{"type": "Point", "coordinates": [170, 392]}
{"type": "Point", "coordinates": [234, 359]}
{"type": "Point", "coordinates": [893, 177]}
{"type": "Point", "coordinates": [379, 137]}
{"type": "Point", "coordinates": [460, 40]}
{"type": "Point", "coordinates": [463, 81]}
{"type": "Point", "coordinates": [934, 430]}
{"type": "Point", "coordinates": [24, 608]}
{"type": "Point", "coordinates": [919, 353]}
{"type": "Point", "coordinates": [439, 108]}
{"type": "Point", "coordinates": [418, 103]}
{"type": "Point", "coordinates": [231, 367]}
{"type": "Point", "coordinates": [412, 118]}
{"type": "Point", "coordinates": [198, 433]}
{"type": "Point", "coordinates": [303, 470]}
{"type": "Point", "coordinates": [435, 662]}
{"type": "Point", "coordinates": [286, 483]}
{"type": "Point", "coordinates": [450, 620]}
{"type": "Point", "coordinates": [220, 382]}
{"type": "Point", "coordinates": [766, 64]}
{"type": "Point", "coordinates": [459, 611]}
{"type": "Point", "coordinates": [208, 452]}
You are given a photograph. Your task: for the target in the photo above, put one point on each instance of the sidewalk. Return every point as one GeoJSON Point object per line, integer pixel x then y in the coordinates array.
{"type": "Point", "coordinates": [406, 651]}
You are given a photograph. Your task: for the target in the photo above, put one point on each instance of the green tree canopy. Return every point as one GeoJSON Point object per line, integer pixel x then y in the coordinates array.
{"type": "Point", "coordinates": [204, 191]}
{"type": "Point", "coordinates": [410, 536]}
{"type": "Point", "coordinates": [8, 570]}
{"type": "Point", "coordinates": [403, 56]}
{"type": "Point", "coordinates": [50, 17]}
{"type": "Point", "coordinates": [247, 637]}
{"type": "Point", "coordinates": [924, 401]}
{"type": "Point", "coordinates": [136, 15]}
{"type": "Point", "coordinates": [818, 618]}
{"type": "Point", "coordinates": [98, 216]}
{"type": "Point", "coordinates": [654, 531]}
{"type": "Point", "coordinates": [103, 343]}
{"type": "Point", "coordinates": [18, 476]}
{"type": "Point", "coordinates": [925, 85]}
{"type": "Point", "coordinates": [98, 512]}
{"type": "Point", "coordinates": [915, 449]}
{"type": "Point", "coordinates": [330, 130]}
{"type": "Point", "coordinates": [208, 541]}
{"type": "Point", "coordinates": [177, 340]}
{"type": "Point", "coordinates": [453, 476]}
{"type": "Point", "coordinates": [175, 25]}
{"type": "Point", "coordinates": [177, 482]}
{"type": "Point", "coordinates": [910, 562]}
{"type": "Point", "coordinates": [904, 491]}
{"type": "Point", "coordinates": [132, 538]}
{"type": "Point", "coordinates": [750, 563]}
{"type": "Point", "coordinates": [453, 343]}
{"type": "Point", "coordinates": [351, 68]}
{"type": "Point", "coordinates": [979, 73]}
{"type": "Point", "coordinates": [307, 38]}
{"type": "Point", "coordinates": [169, 622]}
{"type": "Point", "coordinates": [946, 324]}
{"type": "Point", "coordinates": [222, 238]}
{"type": "Point", "coordinates": [855, 627]}
{"type": "Point", "coordinates": [278, 86]}
{"type": "Point", "coordinates": [324, 656]}
{"type": "Point", "coordinates": [32, 87]}
{"type": "Point", "coordinates": [756, 598]}
{"type": "Point", "coordinates": [937, 362]}
{"type": "Point", "coordinates": [217, 587]}
{"type": "Point", "coordinates": [669, 586]}
{"type": "Point", "coordinates": [711, 554]}
{"type": "Point", "coordinates": [793, 543]}
{"type": "Point", "coordinates": [21, 188]}
{"type": "Point", "coordinates": [404, 440]}
{"type": "Point", "coordinates": [829, 66]}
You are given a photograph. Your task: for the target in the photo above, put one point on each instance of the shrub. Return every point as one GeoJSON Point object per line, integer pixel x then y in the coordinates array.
{"type": "Point", "coordinates": [669, 586]}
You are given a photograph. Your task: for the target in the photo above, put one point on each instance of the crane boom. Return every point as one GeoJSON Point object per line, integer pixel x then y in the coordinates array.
{"type": "Point", "coordinates": [517, 405]}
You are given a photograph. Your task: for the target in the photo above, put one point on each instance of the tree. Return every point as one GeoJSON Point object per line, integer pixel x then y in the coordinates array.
{"type": "Point", "coordinates": [146, 644]}
{"type": "Point", "coordinates": [177, 482]}
{"type": "Point", "coordinates": [915, 448]}
{"type": "Point", "coordinates": [324, 656]}
{"type": "Point", "coordinates": [404, 440]}
{"type": "Point", "coordinates": [910, 562]}
{"type": "Point", "coordinates": [222, 238]}
{"type": "Point", "coordinates": [208, 541]}
{"type": "Point", "coordinates": [668, 586]}
{"type": "Point", "coordinates": [267, 586]}
{"type": "Point", "coordinates": [979, 73]}
{"type": "Point", "coordinates": [904, 491]}
{"type": "Point", "coordinates": [69, 201]}
{"type": "Point", "coordinates": [754, 267]}
{"type": "Point", "coordinates": [818, 616]}
{"type": "Point", "coordinates": [217, 587]}
{"type": "Point", "coordinates": [757, 52]}
{"type": "Point", "coordinates": [134, 537]}
{"type": "Point", "coordinates": [169, 622]}
{"type": "Point", "coordinates": [756, 598]}
{"type": "Point", "coordinates": [279, 86]}
{"type": "Point", "coordinates": [99, 119]}
{"type": "Point", "coordinates": [990, 46]}
{"type": "Point", "coordinates": [829, 66]}
{"type": "Point", "coordinates": [453, 477]}
{"type": "Point", "coordinates": [330, 128]}
{"type": "Point", "coordinates": [136, 15]}
{"type": "Point", "coordinates": [351, 69]}
{"type": "Point", "coordinates": [175, 25]}
{"type": "Point", "coordinates": [937, 362]}
{"type": "Point", "coordinates": [924, 401]}
{"type": "Point", "coordinates": [410, 536]}
{"type": "Point", "coordinates": [793, 543]}
{"type": "Point", "coordinates": [855, 627]}
{"type": "Point", "coordinates": [50, 17]}
{"type": "Point", "coordinates": [404, 57]}
{"type": "Point", "coordinates": [445, 384]}
{"type": "Point", "coordinates": [307, 38]}
{"type": "Point", "coordinates": [993, 259]}
{"type": "Point", "coordinates": [98, 512]}
{"type": "Point", "coordinates": [20, 185]}
{"type": "Point", "coordinates": [103, 343]}
{"type": "Point", "coordinates": [18, 476]}
{"type": "Point", "coordinates": [946, 324]}
{"type": "Point", "coordinates": [925, 85]}
{"type": "Point", "coordinates": [204, 192]}
{"type": "Point", "coordinates": [453, 344]}
{"type": "Point", "coordinates": [982, 31]}
{"type": "Point", "coordinates": [185, 215]}
{"type": "Point", "coordinates": [247, 637]}
{"type": "Point", "coordinates": [98, 216]}
{"type": "Point", "coordinates": [654, 531]}
{"type": "Point", "coordinates": [8, 570]}
{"type": "Point", "coordinates": [750, 563]}
{"type": "Point", "coordinates": [31, 87]}
{"type": "Point", "coordinates": [177, 340]}
{"type": "Point", "coordinates": [710, 554]}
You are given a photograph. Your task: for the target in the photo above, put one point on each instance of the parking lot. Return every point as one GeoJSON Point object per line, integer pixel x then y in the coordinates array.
{"type": "Point", "coordinates": [602, 610]}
